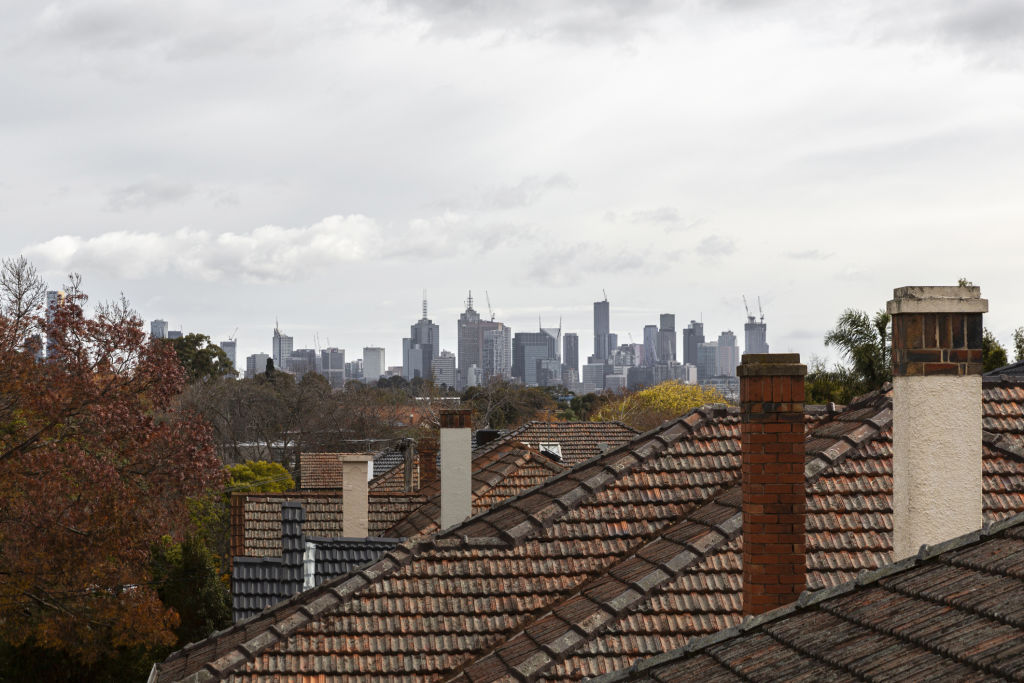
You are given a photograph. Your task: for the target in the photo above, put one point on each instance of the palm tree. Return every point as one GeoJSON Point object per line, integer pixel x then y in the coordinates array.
{"type": "Point", "coordinates": [863, 344]}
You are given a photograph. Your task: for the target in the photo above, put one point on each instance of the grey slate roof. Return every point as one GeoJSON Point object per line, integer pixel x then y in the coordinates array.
{"type": "Point", "coordinates": [953, 612]}
{"type": "Point", "coordinates": [259, 582]}
{"type": "Point", "coordinates": [1011, 370]}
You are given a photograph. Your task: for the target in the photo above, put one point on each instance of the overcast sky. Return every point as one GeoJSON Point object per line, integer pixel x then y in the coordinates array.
{"type": "Point", "coordinates": [228, 163]}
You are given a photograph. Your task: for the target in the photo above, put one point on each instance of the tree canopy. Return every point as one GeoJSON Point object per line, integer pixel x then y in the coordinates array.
{"type": "Point", "coordinates": [648, 408]}
{"type": "Point", "coordinates": [863, 344]}
{"type": "Point", "coordinates": [96, 464]}
{"type": "Point", "coordinates": [202, 359]}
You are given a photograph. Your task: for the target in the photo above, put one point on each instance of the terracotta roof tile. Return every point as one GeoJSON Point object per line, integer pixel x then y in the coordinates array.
{"type": "Point", "coordinates": [579, 441]}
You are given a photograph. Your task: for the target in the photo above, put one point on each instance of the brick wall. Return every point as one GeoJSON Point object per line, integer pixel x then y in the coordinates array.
{"type": "Point", "coordinates": [774, 556]}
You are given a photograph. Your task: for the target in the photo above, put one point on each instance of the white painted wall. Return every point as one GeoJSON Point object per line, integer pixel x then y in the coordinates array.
{"type": "Point", "coordinates": [937, 467]}
{"type": "Point", "coordinates": [456, 472]}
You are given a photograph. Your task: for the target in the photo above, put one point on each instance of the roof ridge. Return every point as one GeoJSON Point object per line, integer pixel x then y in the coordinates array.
{"type": "Point", "coordinates": [637, 585]}
{"type": "Point", "coordinates": [836, 452]}
{"type": "Point", "coordinates": [810, 599]}
{"type": "Point", "coordinates": [1003, 444]}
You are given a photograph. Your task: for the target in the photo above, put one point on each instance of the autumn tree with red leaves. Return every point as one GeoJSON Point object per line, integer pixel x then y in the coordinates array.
{"type": "Point", "coordinates": [96, 463]}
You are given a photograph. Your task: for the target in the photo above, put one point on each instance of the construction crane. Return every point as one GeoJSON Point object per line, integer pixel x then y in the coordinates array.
{"type": "Point", "coordinates": [605, 294]}
{"type": "Point", "coordinates": [759, 309]}
{"type": "Point", "coordinates": [750, 318]}
{"type": "Point", "coordinates": [489, 309]}
{"type": "Point", "coordinates": [234, 335]}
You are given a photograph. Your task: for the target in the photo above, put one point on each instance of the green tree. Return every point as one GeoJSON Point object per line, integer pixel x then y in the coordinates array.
{"type": "Point", "coordinates": [1018, 344]}
{"type": "Point", "coordinates": [259, 476]}
{"type": "Point", "coordinates": [187, 579]}
{"type": "Point", "coordinates": [202, 359]}
{"type": "Point", "coordinates": [863, 344]}
{"type": "Point", "coordinates": [993, 355]}
{"type": "Point", "coordinates": [648, 408]}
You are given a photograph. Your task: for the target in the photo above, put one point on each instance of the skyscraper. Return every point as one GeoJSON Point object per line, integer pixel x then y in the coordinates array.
{"type": "Point", "coordinates": [693, 336]}
{"type": "Point", "coordinates": [230, 347]}
{"type": "Point", "coordinates": [530, 351]}
{"type": "Point", "coordinates": [571, 352]}
{"type": "Point", "coordinates": [421, 347]}
{"type": "Point", "coordinates": [667, 338]}
{"type": "Point", "coordinates": [650, 355]}
{"type": "Point", "coordinates": [255, 364]}
{"type": "Point", "coordinates": [601, 328]}
{"type": "Point", "coordinates": [373, 363]}
{"type": "Point", "coordinates": [158, 329]}
{"type": "Point", "coordinates": [755, 336]}
{"type": "Point", "coordinates": [497, 356]}
{"type": "Point", "coordinates": [332, 366]}
{"type": "Point", "coordinates": [281, 348]}
{"type": "Point", "coordinates": [442, 369]}
{"type": "Point", "coordinates": [472, 330]}
{"type": "Point", "coordinates": [707, 361]}
{"type": "Point", "coordinates": [728, 354]}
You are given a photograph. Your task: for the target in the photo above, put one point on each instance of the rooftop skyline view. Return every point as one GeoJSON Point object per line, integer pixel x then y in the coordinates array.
{"type": "Point", "coordinates": [223, 165]}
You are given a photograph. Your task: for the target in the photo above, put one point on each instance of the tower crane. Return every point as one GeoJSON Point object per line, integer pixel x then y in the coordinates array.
{"type": "Point", "coordinates": [234, 335]}
{"type": "Point", "coordinates": [489, 309]}
{"type": "Point", "coordinates": [750, 318]}
{"type": "Point", "coordinates": [759, 309]}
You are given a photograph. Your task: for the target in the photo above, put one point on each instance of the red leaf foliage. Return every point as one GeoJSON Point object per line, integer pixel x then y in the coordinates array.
{"type": "Point", "coordinates": [96, 463]}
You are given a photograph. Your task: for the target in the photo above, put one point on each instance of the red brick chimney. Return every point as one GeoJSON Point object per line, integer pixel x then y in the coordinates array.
{"type": "Point", "coordinates": [426, 450]}
{"type": "Point", "coordinates": [772, 403]}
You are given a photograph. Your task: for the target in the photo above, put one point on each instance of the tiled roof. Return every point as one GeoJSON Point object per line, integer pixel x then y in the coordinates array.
{"type": "Point", "coordinates": [954, 612]}
{"type": "Point", "coordinates": [392, 480]}
{"type": "Point", "coordinates": [386, 460]}
{"type": "Point", "coordinates": [319, 471]}
{"type": "Point", "coordinates": [625, 555]}
{"type": "Point", "coordinates": [579, 441]}
{"type": "Point", "coordinates": [256, 517]}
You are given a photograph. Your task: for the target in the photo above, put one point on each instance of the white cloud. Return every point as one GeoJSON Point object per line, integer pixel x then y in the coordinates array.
{"type": "Point", "coordinates": [715, 245]}
{"type": "Point", "coordinates": [266, 254]}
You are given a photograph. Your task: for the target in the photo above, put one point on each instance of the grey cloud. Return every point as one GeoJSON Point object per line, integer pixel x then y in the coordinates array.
{"type": "Point", "coordinates": [809, 255]}
{"type": "Point", "coordinates": [714, 245]}
{"type": "Point", "coordinates": [528, 191]}
{"type": "Point", "coordinates": [668, 217]}
{"type": "Point", "coordinates": [147, 195]}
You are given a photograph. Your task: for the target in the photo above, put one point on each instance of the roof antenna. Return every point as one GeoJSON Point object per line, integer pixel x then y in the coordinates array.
{"type": "Point", "coordinates": [424, 304]}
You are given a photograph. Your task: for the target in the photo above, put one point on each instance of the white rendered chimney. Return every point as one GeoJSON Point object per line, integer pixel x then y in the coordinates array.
{"type": "Point", "coordinates": [354, 505]}
{"type": "Point", "coordinates": [937, 418]}
{"type": "Point", "coordinates": [456, 467]}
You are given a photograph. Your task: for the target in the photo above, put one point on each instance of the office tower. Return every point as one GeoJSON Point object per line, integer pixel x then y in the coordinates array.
{"type": "Point", "coordinates": [354, 369]}
{"type": "Point", "coordinates": [556, 336]}
{"type": "Point", "coordinates": [54, 300]}
{"type": "Point", "coordinates": [593, 377]}
{"type": "Point", "coordinates": [443, 369]}
{"type": "Point", "coordinates": [332, 366]}
{"type": "Point", "coordinates": [497, 356]}
{"type": "Point", "coordinates": [755, 336]}
{"type": "Point", "coordinates": [230, 347]}
{"type": "Point", "coordinates": [174, 334]}
{"type": "Point", "coordinates": [472, 330]}
{"type": "Point", "coordinates": [693, 336]}
{"type": "Point", "coordinates": [650, 354]}
{"type": "Point", "coordinates": [256, 364]}
{"type": "Point", "coordinates": [421, 347]}
{"type": "Point", "coordinates": [707, 361]}
{"type": "Point", "coordinates": [281, 348]}
{"type": "Point", "coordinates": [301, 361]}
{"type": "Point", "coordinates": [157, 328]}
{"type": "Point", "coordinates": [373, 363]}
{"type": "Point", "coordinates": [527, 349]}
{"type": "Point", "coordinates": [728, 354]}
{"type": "Point", "coordinates": [601, 327]}
{"type": "Point", "coordinates": [667, 338]}
{"type": "Point", "coordinates": [571, 352]}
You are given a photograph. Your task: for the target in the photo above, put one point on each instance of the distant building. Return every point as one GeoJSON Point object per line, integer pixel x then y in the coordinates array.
{"type": "Point", "coordinates": [230, 348]}
{"type": "Point", "coordinates": [373, 363]}
{"type": "Point", "coordinates": [443, 369]}
{"type": "Point", "coordinates": [707, 361]}
{"type": "Point", "coordinates": [302, 361]}
{"type": "Point", "coordinates": [157, 328]}
{"type": "Point", "coordinates": [332, 366]}
{"type": "Point", "coordinates": [728, 354]}
{"type": "Point", "coordinates": [281, 348]}
{"type": "Point", "coordinates": [174, 334]}
{"type": "Point", "coordinates": [667, 338]}
{"type": "Point", "coordinates": [474, 376]}
{"type": "Point", "coordinates": [755, 336]}
{"type": "Point", "coordinates": [473, 334]}
{"type": "Point", "coordinates": [255, 364]}
{"type": "Point", "coordinates": [354, 370]}
{"type": "Point", "coordinates": [650, 356]}
{"type": "Point", "coordinates": [602, 345]}
{"type": "Point", "coordinates": [693, 336]}
{"type": "Point", "coordinates": [571, 353]}
{"type": "Point", "coordinates": [593, 377]}
{"type": "Point", "coordinates": [527, 349]}
{"type": "Point", "coordinates": [421, 347]}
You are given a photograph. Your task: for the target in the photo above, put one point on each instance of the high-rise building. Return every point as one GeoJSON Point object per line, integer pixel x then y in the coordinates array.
{"type": "Point", "coordinates": [601, 328]}
{"type": "Point", "coordinates": [230, 348]}
{"type": "Point", "coordinates": [443, 369]}
{"type": "Point", "coordinates": [728, 354]}
{"type": "Point", "coordinates": [693, 336]}
{"type": "Point", "coordinates": [421, 347]}
{"type": "Point", "coordinates": [301, 361]}
{"type": "Point", "coordinates": [157, 328]}
{"type": "Point", "coordinates": [281, 348]}
{"type": "Point", "coordinates": [528, 348]}
{"type": "Point", "coordinates": [373, 363]}
{"type": "Point", "coordinates": [650, 355]}
{"type": "Point", "coordinates": [472, 332]}
{"type": "Point", "coordinates": [497, 356]}
{"type": "Point", "coordinates": [707, 361]}
{"type": "Point", "coordinates": [54, 300]}
{"type": "Point", "coordinates": [255, 364]}
{"type": "Point", "coordinates": [332, 366]}
{"type": "Point", "coordinates": [755, 336]}
{"type": "Point", "coordinates": [571, 352]}
{"type": "Point", "coordinates": [667, 338]}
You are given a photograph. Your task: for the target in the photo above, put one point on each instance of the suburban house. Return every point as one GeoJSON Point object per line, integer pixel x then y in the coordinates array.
{"type": "Point", "coordinates": [697, 526]}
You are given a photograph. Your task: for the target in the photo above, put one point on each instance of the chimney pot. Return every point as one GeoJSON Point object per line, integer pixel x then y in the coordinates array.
{"type": "Point", "coordinates": [774, 553]}
{"type": "Point", "coordinates": [937, 414]}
